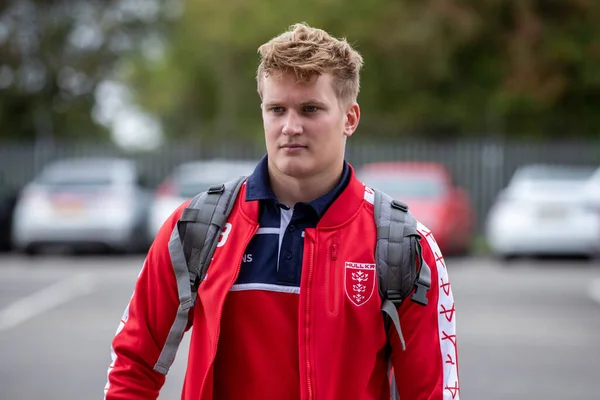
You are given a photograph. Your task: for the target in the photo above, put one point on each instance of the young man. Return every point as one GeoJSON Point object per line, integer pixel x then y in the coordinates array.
{"type": "Point", "coordinates": [274, 318]}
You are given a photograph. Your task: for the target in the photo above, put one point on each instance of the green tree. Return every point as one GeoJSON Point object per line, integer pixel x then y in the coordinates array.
{"type": "Point", "coordinates": [434, 68]}
{"type": "Point", "coordinates": [53, 54]}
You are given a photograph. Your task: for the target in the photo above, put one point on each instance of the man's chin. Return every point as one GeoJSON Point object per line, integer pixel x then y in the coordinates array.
{"type": "Point", "coordinates": [294, 168]}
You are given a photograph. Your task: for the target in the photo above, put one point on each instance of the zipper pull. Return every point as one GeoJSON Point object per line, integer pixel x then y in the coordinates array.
{"type": "Point", "coordinates": [334, 254]}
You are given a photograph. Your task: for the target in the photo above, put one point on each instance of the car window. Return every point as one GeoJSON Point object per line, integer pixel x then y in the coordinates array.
{"type": "Point", "coordinates": [75, 179]}
{"type": "Point", "coordinates": [189, 189]}
{"type": "Point", "coordinates": [406, 186]}
{"type": "Point", "coordinates": [533, 182]}
{"type": "Point", "coordinates": [192, 179]}
{"type": "Point", "coordinates": [552, 174]}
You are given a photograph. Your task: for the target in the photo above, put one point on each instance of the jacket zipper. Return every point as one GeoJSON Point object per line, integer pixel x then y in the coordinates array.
{"type": "Point", "coordinates": [331, 274]}
{"type": "Point", "coordinates": [307, 321]}
{"type": "Point", "coordinates": [214, 352]}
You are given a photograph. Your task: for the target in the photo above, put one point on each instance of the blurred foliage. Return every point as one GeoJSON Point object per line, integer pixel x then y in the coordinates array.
{"type": "Point", "coordinates": [433, 68]}
{"type": "Point", "coordinates": [53, 54]}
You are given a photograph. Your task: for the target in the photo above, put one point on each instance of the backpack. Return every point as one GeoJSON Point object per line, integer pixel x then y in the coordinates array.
{"type": "Point", "coordinates": [399, 263]}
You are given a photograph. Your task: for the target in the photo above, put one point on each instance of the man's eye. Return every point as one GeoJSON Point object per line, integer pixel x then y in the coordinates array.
{"type": "Point", "coordinates": [310, 109]}
{"type": "Point", "coordinates": [276, 110]}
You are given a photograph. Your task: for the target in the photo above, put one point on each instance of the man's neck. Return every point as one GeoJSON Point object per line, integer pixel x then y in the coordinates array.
{"type": "Point", "coordinates": [290, 190]}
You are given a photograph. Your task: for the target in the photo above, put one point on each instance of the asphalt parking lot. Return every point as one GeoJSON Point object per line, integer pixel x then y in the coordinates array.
{"type": "Point", "coordinates": [527, 331]}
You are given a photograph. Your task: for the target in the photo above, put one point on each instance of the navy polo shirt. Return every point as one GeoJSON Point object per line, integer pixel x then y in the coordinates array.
{"type": "Point", "coordinates": [274, 255]}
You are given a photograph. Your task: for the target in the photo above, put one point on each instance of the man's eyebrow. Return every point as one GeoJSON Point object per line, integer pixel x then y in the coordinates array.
{"type": "Point", "coordinates": [313, 103]}
{"type": "Point", "coordinates": [272, 104]}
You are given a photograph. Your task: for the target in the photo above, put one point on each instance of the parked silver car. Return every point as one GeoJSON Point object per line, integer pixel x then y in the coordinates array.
{"type": "Point", "coordinates": [544, 211]}
{"type": "Point", "coordinates": [189, 179]}
{"type": "Point", "coordinates": [83, 202]}
{"type": "Point", "coordinates": [592, 191]}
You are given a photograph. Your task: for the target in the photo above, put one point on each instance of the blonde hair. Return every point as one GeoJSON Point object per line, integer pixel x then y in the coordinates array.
{"type": "Point", "coordinates": [307, 52]}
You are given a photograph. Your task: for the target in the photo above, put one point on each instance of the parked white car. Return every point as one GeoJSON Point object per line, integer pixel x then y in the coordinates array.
{"type": "Point", "coordinates": [81, 203]}
{"type": "Point", "coordinates": [189, 179]}
{"type": "Point", "coordinates": [544, 211]}
{"type": "Point", "coordinates": [592, 190]}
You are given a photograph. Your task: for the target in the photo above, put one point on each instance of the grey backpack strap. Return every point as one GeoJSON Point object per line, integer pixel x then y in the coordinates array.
{"type": "Point", "coordinates": [204, 220]}
{"type": "Point", "coordinates": [191, 247]}
{"type": "Point", "coordinates": [398, 255]}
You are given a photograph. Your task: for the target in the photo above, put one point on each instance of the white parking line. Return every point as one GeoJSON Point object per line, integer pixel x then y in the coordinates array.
{"type": "Point", "coordinates": [595, 290]}
{"type": "Point", "coordinates": [46, 299]}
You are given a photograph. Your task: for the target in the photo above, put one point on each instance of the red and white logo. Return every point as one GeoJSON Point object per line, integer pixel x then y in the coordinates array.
{"type": "Point", "coordinates": [359, 282]}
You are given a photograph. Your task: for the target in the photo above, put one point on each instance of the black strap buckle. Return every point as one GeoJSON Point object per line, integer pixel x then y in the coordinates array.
{"type": "Point", "coordinates": [194, 282]}
{"type": "Point", "coordinates": [394, 296]}
{"type": "Point", "coordinates": [399, 205]}
{"type": "Point", "coordinates": [216, 189]}
{"type": "Point", "coordinates": [420, 294]}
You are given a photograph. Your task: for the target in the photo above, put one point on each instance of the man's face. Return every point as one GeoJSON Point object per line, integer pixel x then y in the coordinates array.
{"type": "Point", "coordinates": [305, 124]}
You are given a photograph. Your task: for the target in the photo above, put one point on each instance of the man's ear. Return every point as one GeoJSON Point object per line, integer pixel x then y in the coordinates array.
{"type": "Point", "coordinates": [351, 119]}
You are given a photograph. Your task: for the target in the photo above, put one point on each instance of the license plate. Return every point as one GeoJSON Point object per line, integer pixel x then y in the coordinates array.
{"type": "Point", "coordinates": [68, 208]}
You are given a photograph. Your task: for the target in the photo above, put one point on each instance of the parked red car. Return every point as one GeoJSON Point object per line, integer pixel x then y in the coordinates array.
{"type": "Point", "coordinates": [432, 197]}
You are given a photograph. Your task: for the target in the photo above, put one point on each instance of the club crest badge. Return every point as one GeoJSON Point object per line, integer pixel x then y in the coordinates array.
{"type": "Point", "coordinates": [360, 282]}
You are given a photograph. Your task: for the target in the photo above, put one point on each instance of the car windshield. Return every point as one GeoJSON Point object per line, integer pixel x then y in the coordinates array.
{"type": "Point", "coordinates": [406, 186]}
{"type": "Point", "coordinates": [541, 176]}
{"type": "Point", "coordinates": [75, 178]}
{"type": "Point", "coordinates": [194, 178]}
{"type": "Point", "coordinates": [189, 189]}
{"type": "Point", "coordinates": [74, 181]}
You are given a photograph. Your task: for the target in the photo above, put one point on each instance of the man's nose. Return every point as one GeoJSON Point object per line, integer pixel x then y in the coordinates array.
{"type": "Point", "coordinates": [292, 124]}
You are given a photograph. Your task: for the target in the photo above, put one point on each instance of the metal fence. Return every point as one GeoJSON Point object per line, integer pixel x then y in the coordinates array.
{"type": "Point", "coordinates": [482, 167]}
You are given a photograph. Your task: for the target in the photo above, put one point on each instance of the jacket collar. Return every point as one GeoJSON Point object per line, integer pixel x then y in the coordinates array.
{"type": "Point", "coordinates": [341, 210]}
{"type": "Point", "coordinates": [258, 188]}
{"type": "Point", "coordinates": [346, 205]}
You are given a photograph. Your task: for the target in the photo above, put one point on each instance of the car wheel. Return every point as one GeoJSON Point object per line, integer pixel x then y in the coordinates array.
{"type": "Point", "coordinates": [31, 250]}
{"type": "Point", "coordinates": [138, 243]}
{"type": "Point", "coordinates": [507, 259]}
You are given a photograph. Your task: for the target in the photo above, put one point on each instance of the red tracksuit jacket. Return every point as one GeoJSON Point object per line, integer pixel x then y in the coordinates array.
{"type": "Point", "coordinates": [341, 336]}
